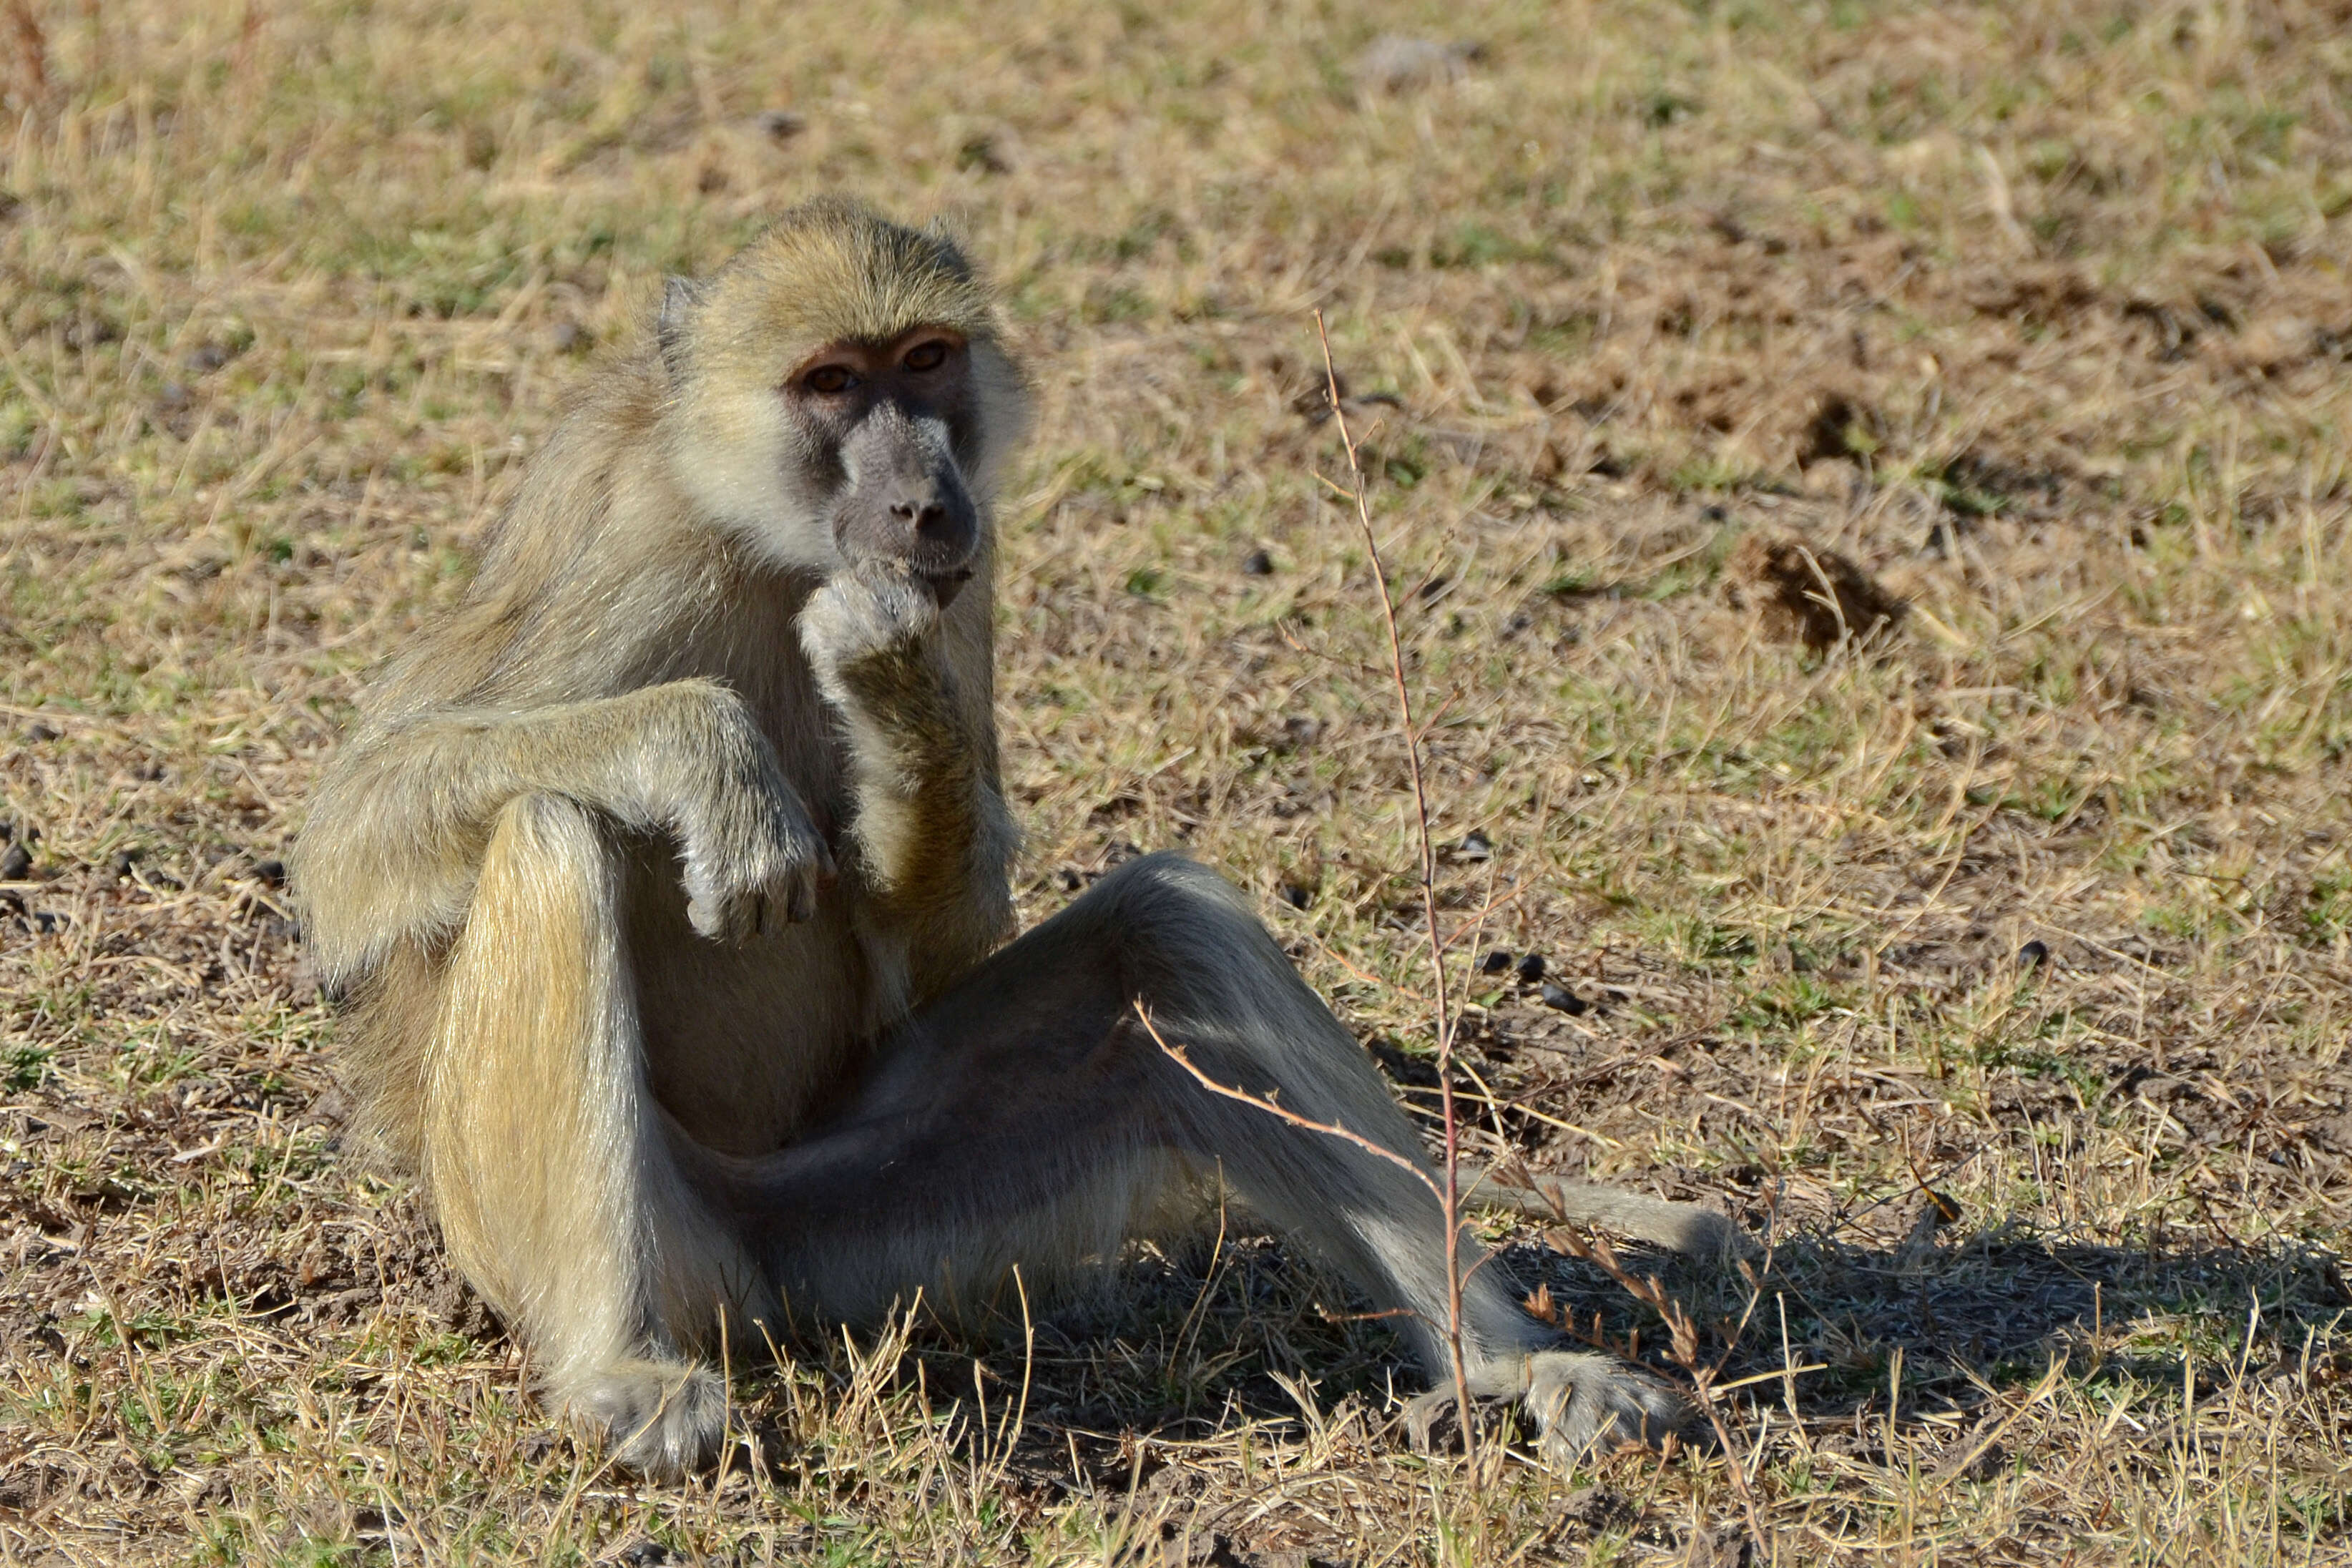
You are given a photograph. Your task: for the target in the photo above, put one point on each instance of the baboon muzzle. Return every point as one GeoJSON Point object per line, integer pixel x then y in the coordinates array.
{"type": "Point", "coordinates": [905, 500]}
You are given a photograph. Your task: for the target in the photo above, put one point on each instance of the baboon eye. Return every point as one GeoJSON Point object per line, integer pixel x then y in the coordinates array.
{"type": "Point", "coordinates": [826, 380]}
{"type": "Point", "coordinates": [925, 356]}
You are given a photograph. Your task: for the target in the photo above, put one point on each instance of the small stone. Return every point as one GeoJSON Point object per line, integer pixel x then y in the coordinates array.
{"type": "Point", "coordinates": [172, 397]}
{"type": "Point", "coordinates": [119, 869]}
{"type": "Point", "coordinates": [1531, 968]}
{"type": "Point", "coordinates": [38, 732]}
{"type": "Point", "coordinates": [46, 922]}
{"type": "Point", "coordinates": [378, 1520]}
{"type": "Point", "coordinates": [1296, 896]}
{"type": "Point", "coordinates": [1475, 845]}
{"type": "Point", "coordinates": [780, 124]}
{"type": "Point", "coordinates": [1961, 1464]}
{"type": "Point", "coordinates": [1495, 963]}
{"type": "Point", "coordinates": [1258, 564]}
{"type": "Point", "coordinates": [206, 358]}
{"type": "Point", "coordinates": [17, 864]}
{"type": "Point", "coordinates": [2033, 954]}
{"type": "Point", "coordinates": [646, 1555]}
{"type": "Point", "coordinates": [1565, 1000]}
{"type": "Point", "coordinates": [1396, 61]}
{"type": "Point", "coordinates": [1069, 878]}
{"type": "Point", "coordinates": [272, 872]}
{"type": "Point", "coordinates": [1595, 1508]}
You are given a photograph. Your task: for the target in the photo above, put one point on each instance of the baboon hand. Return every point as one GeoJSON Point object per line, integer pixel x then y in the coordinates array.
{"type": "Point", "coordinates": [753, 859]}
{"type": "Point", "coordinates": [748, 875]}
{"type": "Point", "coordinates": [872, 608]}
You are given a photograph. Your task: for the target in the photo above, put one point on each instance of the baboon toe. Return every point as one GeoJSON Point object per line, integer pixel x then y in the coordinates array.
{"type": "Point", "coordinates": [1500, 1379]}
{"type": "Point", "coordinates": [662, 1419]}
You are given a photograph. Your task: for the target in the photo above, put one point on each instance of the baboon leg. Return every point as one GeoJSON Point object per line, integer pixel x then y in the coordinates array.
{"type": "Point", "coordinates": [1027, 1118]}
{"type": "Point", "coordinates": [545, 1155]}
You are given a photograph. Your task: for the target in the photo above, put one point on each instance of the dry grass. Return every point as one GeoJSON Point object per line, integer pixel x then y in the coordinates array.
{"type": "Point", "coordinates": [2038, 313]}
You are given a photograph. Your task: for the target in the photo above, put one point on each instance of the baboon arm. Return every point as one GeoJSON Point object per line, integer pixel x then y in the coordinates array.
{"type": "Point", "coordinates": [396, 837]}
{"type": "Point", "coordinates": [930, 829]}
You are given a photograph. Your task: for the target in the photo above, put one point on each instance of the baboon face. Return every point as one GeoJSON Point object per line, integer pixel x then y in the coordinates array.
{"type": "Point", "coordinates": [892, 424]}
{"type": "Point", "coordinates": [840, 398]}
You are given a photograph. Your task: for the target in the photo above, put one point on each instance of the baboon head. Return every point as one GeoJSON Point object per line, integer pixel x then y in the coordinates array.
{"type": "Point", "coordinates": [839, 394]}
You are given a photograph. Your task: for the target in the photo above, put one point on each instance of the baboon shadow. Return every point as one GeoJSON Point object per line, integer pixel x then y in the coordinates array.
{"type": "Point", "coordinates": [1174, 1347]}
{"type": "Point", "coordinates": [1930, 1322]}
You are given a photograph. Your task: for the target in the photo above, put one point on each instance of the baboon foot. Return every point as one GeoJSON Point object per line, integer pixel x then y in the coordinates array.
{"type": "Point", "coordinates": [1580, 1401]}
{"type": "Point", "coordinates": [1583, 1402]}
{"type": "Point", "coordinates": [662, 1419]}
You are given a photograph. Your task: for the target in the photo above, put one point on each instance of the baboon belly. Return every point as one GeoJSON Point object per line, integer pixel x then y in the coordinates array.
{"type": "Point", "coordinates": [745, 1045]}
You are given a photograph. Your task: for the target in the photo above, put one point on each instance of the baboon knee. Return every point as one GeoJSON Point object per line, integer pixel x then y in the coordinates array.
{"type": "Point", "coordinates": [1170, 902]}
{"type": "Point", "coordinates": [545, 836]}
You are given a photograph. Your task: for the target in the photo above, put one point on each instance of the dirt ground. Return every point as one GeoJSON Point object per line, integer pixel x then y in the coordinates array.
{"type": "Point", "coordinates": [1994, 966]}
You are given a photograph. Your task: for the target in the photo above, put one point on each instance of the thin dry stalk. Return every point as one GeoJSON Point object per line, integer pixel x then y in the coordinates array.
{"type": "Point", "coordinates": [1280, 1113]}
{"type": "Point", "coordinates": [1449, 1200]}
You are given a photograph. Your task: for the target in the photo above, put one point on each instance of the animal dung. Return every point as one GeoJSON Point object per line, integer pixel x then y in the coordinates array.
{"type": "Point", "coordinates": [1495, 963]}
{"type": "Point", "coordinates": [1531, 968]}
{"type": "Point", "coordinates": [1564, 1000]}
{"type": "Point", "coordinates": [1818, 598]}
{"type": "Point", "coordinates": [779, 124]}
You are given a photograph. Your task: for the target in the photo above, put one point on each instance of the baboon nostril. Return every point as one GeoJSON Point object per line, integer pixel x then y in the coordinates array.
{"type": "Point", "coordinates": [905, 512]}
{"type": "Point", "coordinates": [932, 517]}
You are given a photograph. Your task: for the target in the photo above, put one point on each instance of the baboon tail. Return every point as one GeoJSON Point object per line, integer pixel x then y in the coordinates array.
{"type": "Point", "coordinates": [1684, 1228]}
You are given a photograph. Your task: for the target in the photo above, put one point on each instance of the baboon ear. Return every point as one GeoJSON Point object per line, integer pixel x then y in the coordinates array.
{"type": "Point", "coordinates": [680, 297]}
